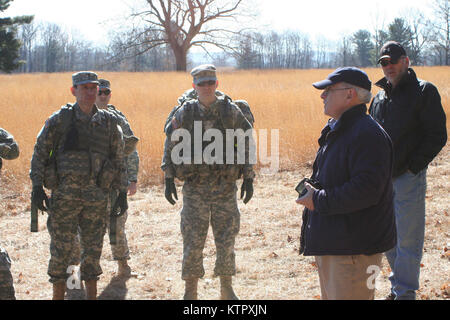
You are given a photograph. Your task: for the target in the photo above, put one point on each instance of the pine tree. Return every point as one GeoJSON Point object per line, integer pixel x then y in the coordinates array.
{"type": "Point", "coordinates": [400, 31]}
{"type": "Point", "coordinates": [363, 47]}
{"type": "Point", "coordinates": [9, 44]}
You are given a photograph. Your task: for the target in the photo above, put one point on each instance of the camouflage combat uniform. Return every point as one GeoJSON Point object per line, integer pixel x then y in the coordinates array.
{"type": "Point", "coordinates": [209, 191]}
{"type": "Point", "coordinates": [190, 94]}
{"type": "Point", "coordinates": [120, 250]}
{"type": "Point", "coordinates": [8, 150]}
{"type": "Point", "coordinates": [80, 199]}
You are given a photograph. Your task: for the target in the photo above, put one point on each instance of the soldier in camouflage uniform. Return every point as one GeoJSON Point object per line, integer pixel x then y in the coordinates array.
{"type": "Point", "coordinates": [209, 191]}
{"type": "Point", "coordinates": [9, 150]}
{"type": "Point", "coordinates": [190, 94]}
{"type": "Point", "coordinates": [120, 250]}
{"type": "Point", "coordinates": [89, 161]}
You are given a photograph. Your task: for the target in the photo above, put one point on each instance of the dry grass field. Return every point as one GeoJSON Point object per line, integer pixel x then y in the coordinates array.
{"type": "Point", "coordinates": [269, 266]}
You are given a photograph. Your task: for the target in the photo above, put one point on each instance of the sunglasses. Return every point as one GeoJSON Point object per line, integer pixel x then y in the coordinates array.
{"type": "Point", "coordinates": [206, 83]}
{"type": "Point", "coordinates": [386, 62]}
{"type": "Point", "coordinates": [105, 92]}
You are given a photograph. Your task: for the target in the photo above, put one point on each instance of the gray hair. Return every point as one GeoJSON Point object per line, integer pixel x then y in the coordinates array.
{"type": "Point", "coordinates": [364, 95]}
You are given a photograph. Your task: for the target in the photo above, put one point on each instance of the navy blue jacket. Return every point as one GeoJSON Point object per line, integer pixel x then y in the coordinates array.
{"type": "Point", "coordinates": [354, 212]}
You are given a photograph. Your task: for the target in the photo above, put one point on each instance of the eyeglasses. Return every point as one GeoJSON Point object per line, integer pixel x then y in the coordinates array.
{"type": "Point", "coordinates": [105, 92]}
{"type": "Point", "coordinates": [386, 62]}
{"type": "Point", "coordinates": [328, 90]}
{"type": "Point", "coordinates": [206, 83]}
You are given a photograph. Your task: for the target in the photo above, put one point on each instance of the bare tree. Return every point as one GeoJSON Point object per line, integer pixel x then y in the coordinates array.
{"type": "Point", "coordinates": [322, 53]}
{"type": "Point", "coordinates": [131, 56]}
{"type": "Point", "coordinates": [182, 24]}
{"type": "Point", "coordinates": [272, 50]}
{"type": "Point", "coordinates": [420, 35]}
{"type": "Point", "coordinates": [380, 36]}
{"type": "Point", "coordinates": [247, 55]}
{"type": "Point", "coordinates": [49, 48]}
{"type": "Point", "coordinates": [344, 54]}
{"type": "Point", "coordinates": [28, 35]}
{"type": "Point", "coordinates": [54, 39]}
{"type": "Point", "coordinates": [441, 25]}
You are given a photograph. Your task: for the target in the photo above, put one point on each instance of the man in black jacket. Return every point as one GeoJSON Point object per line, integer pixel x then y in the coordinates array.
{"type": "Point", "coordinates": [349, 221]}
{"type": "Point", "coordinates": [411, 112]}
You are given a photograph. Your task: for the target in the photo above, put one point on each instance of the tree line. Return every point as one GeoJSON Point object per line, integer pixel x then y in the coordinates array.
{"type": "Point", "coordinates": [160, 45]}
{"type": "Point", "coordinates": [427, 42]}
{"type": "Point", "coordinates": [47, 47]}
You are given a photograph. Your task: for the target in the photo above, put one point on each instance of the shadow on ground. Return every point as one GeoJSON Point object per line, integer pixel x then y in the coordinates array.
{"type": "Point", "coordinates": [115, 290]}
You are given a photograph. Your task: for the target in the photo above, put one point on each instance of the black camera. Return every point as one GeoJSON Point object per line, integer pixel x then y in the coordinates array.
{"type": "Point", "coordinates": [301, 188]}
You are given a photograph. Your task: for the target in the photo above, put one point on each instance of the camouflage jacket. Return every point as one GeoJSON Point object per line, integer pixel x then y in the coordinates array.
{"type": "Point", "coordinates": [100, 142]}
{"type": "Point", "coordinates": [8, 146]}
{"type": "Point", "coordinates": [190, 94]}
{"type": "Point", "coordinates": [223, 114]}
{"type": "Point", "coordinates": [132, 160]}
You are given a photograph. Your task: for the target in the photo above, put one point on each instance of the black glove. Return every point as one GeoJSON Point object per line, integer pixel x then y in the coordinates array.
{"type": "Point", "coordinates": [247, 188]}
{"type": "Point", "coordinates": [38, 196]}
{"type": "Point", "coordinates": [170, 190]}
{"type": "Point", "coordinates": [121, 203]}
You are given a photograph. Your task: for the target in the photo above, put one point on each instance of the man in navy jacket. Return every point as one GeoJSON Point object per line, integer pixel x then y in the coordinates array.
{"type": "Point", "coordinates": [349, 221]}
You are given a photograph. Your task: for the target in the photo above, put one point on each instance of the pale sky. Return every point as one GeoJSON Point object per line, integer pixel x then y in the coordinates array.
{"type": "Point", "coordinates": [319, 18]}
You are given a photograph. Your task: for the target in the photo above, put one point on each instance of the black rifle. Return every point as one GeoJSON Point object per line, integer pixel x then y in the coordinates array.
{"type": "Point", "coordinates": [113, 222]}
{"type": "Point", "coordinates": [34, 218]}
{"type": "Point", "coordinates": [112, 229]}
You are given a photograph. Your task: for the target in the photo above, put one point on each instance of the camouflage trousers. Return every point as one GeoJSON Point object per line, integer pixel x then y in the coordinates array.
{"type": "Point", "coordinates": [6, 281]}
{"type": "Point", "coordinates": [120, 250]}
{"type": "Point", "coordinates": [66, 217]}
{"type": "Point", "coordinates": [202, 204]}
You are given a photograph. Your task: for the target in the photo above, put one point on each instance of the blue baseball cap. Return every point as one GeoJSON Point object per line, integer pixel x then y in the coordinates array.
{"type": "Point", "coordinates": [349, 75]}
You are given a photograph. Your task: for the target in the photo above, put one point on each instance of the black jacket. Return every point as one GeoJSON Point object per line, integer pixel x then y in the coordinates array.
{"type": "Point", "coordinates": [413, 116]}
{"type": "Point", "coordinates": [354, 212]}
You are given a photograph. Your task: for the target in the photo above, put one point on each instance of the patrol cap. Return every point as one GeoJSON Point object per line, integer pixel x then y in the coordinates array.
{"type": "Point", "coordinates": [349, 75]}
{"type": "Point", "coordinates": [104, 84]}
{"type": "Point", "coordinates": [83, 77]}
{"type": "Point", "coordinates": [204, 72]}
{"type": "Point", "coordinates": [392, 50]}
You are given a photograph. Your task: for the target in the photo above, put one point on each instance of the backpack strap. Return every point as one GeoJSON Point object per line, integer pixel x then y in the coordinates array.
{"type": "Point", "coordinates": [67, 118]}
{"type": "Point", "coordinates": [225, 114]}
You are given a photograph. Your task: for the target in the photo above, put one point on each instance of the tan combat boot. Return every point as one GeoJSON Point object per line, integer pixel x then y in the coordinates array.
{"type": "Point", "coordinates": [59, 289]}
{"type": "Point", "coordinates": [91, 289]}
{"type": "Point", "coordinates": [190, 292]}
{"type": "Point", "coordinates": [226, 289]}
{"type": "Point", "coordinates": [124, 268]}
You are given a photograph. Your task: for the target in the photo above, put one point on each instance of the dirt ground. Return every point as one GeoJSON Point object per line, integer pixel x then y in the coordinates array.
{"type": "Point", "coordinates": [269, 266]}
